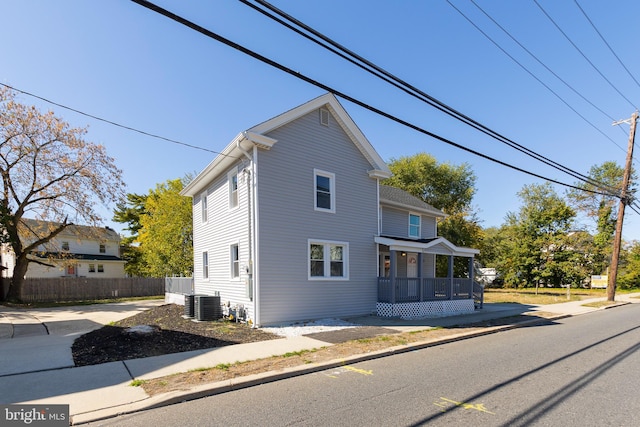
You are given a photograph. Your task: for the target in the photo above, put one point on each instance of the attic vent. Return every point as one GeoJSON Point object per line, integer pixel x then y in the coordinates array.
{"type": "Point", "coordinates": [324, 117]}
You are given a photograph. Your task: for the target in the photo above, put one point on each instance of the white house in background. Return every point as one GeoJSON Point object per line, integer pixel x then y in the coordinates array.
{"type": "Point", "coordinates": [77, 251]}
{"type": "Point", "coordinates": [290, 222]}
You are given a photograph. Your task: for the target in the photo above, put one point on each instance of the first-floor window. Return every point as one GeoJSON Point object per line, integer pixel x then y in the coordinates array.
{"type": "Point", "coordinates": [235, 262]}
{"type": "Point", "coordinates": [92, 268]}
{"type": "Point", "coordinates": [205, 265]}
{"type": "Point", "coordinates": [100, 268]}
{"type": "Point", "coordinates": [328, 260]}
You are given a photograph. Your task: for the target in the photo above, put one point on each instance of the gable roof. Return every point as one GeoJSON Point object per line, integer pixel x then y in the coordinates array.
{"type": "Point", "coordinates": [400, 198]}
{"type": "Point", "coordinates": [36, 227]}
{"type": "Point", "coordinates": [256, 137]}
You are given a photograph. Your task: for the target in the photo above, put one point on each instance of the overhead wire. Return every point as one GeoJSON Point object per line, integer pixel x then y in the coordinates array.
{"type": "Point", "coordinates": [584, 55]}
{"type": "Point", "coordinates": [155, 8]}
{"type": "Point", "coordinates": [606, 43]}
{"type": "Point", "coordinates": [173, 141]}
{"type": "Point", "coordinates": [408, 88]}
{"type": "Point", "coordinates": [539, 61]}
{"type": "Point", "coordinates": [531, 74]}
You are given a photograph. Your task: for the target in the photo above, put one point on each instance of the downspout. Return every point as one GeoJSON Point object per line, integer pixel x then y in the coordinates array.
{"type": "Point", "coordinates": [251, 217]}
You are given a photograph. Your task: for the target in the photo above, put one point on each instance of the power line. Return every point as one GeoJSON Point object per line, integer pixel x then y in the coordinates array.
{"type": "Point", "coordinates": [546, 67]}
{"type": "Point", "coordinates": [255, 55]}
{"type": "Point", "coordinates": [583, 55]}
{"type": "Point", "coordinates": [533, 75]}
{"type": "Point", "coordinates": [374, 69]}
{"type": "Point", "coordinates": [109, 121]}
{"type": "Point", "coordinates": [605, 42]}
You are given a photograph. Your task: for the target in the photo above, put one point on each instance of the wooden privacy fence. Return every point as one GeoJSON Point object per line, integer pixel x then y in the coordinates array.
{"type": "Point", "coordinates": [78, 288]}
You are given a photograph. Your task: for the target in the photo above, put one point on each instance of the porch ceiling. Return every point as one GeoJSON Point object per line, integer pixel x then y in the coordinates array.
{"type": "Point", "coordinates": [438, 245]}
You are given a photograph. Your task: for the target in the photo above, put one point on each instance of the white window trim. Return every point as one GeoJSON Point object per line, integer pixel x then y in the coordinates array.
{"type": "Point", "coordinates": [205, 267]}
{"type": "Point", "coordinates": [204, 207]}
{"type": "Point", "coordinates": [233, 172]}
{"type": "Point", "coordinates": [419, 225]}
{"type": "Point", "coordinates": [327, 258]}
{"type": "Point", "coordinates": [231, 262]}
{"type": "Point", "coordinates": [332, 189]}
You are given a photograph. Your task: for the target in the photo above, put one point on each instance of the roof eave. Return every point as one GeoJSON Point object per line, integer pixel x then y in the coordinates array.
{"type": "Point", "coordinates": [433, 212]}
{"type": "Point", "coordinates": [242, 143]}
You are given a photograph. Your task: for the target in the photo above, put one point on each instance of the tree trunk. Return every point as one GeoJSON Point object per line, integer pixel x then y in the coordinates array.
{"type": "Point", "coordinates": [15, 283]}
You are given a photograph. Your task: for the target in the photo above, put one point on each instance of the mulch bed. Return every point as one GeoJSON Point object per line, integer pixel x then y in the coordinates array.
{"type": "Point", "coordinates": [172, 334]}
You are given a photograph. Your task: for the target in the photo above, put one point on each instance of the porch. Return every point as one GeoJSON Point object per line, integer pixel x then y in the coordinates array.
{"type": "Point", "coordinates": [408, 285]}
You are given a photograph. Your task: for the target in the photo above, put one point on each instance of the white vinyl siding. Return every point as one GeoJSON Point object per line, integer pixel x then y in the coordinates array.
{"type": "Point", "coordinates": [289, 221]}
{"type": "Point", "coordinates": [225, 227]}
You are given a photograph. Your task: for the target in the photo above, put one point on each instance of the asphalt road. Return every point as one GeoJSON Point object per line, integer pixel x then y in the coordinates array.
{"type": "Point", "coordinates": [580, 371]}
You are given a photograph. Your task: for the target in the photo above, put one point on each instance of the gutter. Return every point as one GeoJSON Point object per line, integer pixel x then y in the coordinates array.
{"type": "Point", "coordinates": [251, 187]}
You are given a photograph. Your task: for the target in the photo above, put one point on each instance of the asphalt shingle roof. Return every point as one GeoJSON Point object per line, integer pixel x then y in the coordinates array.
{"type": "Point", "coordinates": [399, 196]}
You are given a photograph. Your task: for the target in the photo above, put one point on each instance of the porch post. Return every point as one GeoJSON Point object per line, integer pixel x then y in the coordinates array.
{"type": "Point", "coordinates": [392, 276]}
{"type": "Point", "coordinates": [450, 276]}
{"type": "Point", "coordinates": [420, 277]}
{"type": "Point", "coordinates": [471, 277]}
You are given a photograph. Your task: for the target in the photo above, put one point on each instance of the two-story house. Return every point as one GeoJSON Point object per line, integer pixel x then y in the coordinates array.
{"type": "Point", "coordinates": [291, 222]}
{"type": "Point", "coordinates": [77, 251]}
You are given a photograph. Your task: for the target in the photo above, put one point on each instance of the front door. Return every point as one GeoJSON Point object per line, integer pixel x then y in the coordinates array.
{"type": "Point", "coordinates": [412, 272]}
{"type": "Point", "coordinates": [412, 265]}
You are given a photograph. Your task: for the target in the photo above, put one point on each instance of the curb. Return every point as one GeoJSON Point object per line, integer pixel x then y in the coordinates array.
{"type": "Point", "coordinates": [212, 389]}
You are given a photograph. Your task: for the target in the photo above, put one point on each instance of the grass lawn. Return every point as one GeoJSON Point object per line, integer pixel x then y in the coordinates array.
{"type": "Point", "coordinates": [544, 296]}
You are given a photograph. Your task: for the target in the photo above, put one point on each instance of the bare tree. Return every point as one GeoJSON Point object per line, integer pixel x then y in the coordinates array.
{"type": "Point", "coordinates": [49, 172]}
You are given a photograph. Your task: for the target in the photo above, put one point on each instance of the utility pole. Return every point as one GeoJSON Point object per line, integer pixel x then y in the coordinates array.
{"type": "Point", "coordinates": [624, 199]}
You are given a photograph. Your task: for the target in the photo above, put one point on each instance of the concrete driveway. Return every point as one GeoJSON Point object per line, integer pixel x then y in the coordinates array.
{"type": "Point", "coordinates": [33, 340]}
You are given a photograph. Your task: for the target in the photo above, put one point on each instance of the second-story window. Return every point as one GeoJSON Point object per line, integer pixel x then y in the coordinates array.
{"type": "Point", "coordinates": [325, 191]}
{"type": "Point", "coordinates": [203, 201]}
{"type": "Point", "coordinates": [65, 246]}
{"type": "Point", "coordinates": [233, 189]}
{"type": "Point", "coordinates": [103, 248]}
{"type": "Point", "coordinates": [414, 225]}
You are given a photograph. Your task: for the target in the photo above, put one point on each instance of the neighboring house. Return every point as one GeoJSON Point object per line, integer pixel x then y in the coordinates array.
{"type": "Point", "coordinates": [77, 251]}
{"type": "Point", "coordinates": [291, 222]}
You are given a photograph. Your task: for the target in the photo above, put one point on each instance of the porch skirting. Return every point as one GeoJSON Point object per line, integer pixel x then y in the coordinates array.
{"type": "Point", "coordinates": [407, 310]}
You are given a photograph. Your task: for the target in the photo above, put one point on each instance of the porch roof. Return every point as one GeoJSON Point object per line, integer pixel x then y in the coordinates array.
{"type": "Point", "coordinates": [436, 245]}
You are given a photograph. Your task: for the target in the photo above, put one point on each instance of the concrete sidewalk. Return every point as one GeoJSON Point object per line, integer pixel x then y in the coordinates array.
{"type": "Point", "coordinates": [43, 373]}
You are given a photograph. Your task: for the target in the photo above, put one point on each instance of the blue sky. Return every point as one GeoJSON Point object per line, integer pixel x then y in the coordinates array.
{"type": "Point", "coordinates": [124, 63]}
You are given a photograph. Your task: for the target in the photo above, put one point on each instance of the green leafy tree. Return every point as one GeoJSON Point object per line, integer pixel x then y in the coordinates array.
{"type": "Point", "coordinates": [629, 276]}
{"type": "Point", "coordinates": [130, 212]}
{"type": "Point", "coordinates": [443, 185]}
{"type": "Point", "coordinates": [599, 204]}
{"type": "Point", "coordinates": [538, 246]}
{"type": "Point", "coordinates": [50, 172]}
{"type": "Point", "coordinates": [447, 187]}
{"type": "Point", "coordinates": [166, 232]}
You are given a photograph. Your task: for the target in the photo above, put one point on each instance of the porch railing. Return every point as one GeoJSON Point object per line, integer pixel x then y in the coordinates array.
{"type": "Point", "coordinates": [478, 294]}
{"type": "Point", "coordinates": [410, 289]}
